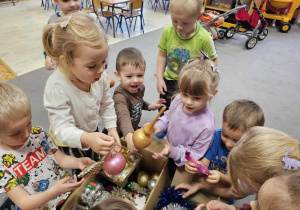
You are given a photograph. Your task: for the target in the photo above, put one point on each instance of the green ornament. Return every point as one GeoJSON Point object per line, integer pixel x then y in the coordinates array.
{"type": "Point", "coordinates": [128, 187]}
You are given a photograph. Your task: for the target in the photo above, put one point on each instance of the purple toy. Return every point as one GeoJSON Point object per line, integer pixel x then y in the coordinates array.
{"type": "Point", "coordinates": [203, 170]}
{"type": "Point", "coordinates": [290, 162]}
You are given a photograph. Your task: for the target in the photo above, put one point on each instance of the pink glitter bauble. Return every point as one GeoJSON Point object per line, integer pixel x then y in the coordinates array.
{"type": "Point", "coordinates": [114, 165]}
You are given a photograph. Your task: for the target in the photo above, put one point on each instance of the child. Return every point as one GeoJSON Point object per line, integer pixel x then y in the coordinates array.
{"type": "Point", "coordinates": [190, 121]}
{"type": "Point", "coordinates": [128, 96]}
{"type": "Point", "coordinates": [77, 94]}
{"type": "Point", "coordinates": [257, 157]}
{"type": "Point", "coordinates": [179, 42]}
{"type": "Point", "coordinates": [280, 192]}
{"type": "Point", "coordinates": [114, 204]}
{"type": "Point", "coordinates": [32, 173]}
{"type": "Point", "coordinates": [238, 117]}
{"type": "Point", "coordinates": [67, 7]}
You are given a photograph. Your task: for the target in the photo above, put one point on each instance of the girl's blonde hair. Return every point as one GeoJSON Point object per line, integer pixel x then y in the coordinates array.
{"type": "Point", "coordinates": [191, 7]}
{"type": "Point", "coordinates": [14, 105]}
{"type": "Point", "coordinates": [197, 78]}
{"type": "Point", "coordinates": [62, 43]}
{"type": "Point", "coordinates": [258, 155]}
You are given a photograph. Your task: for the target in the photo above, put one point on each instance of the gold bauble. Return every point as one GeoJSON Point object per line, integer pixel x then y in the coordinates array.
{"type": "Point", "coordinates": [141, 139]}
{"type": "Point", "coordinates": [154, 176]}
{"type": "Point", "coordinates": [143, 178]}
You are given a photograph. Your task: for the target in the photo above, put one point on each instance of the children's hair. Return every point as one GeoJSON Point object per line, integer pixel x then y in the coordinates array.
{"type": "Point", "coordinates": [62, 43]}
{"type": "Point", "coordinates": [113, 204]}
{"type": "Point", "coordinates": [258, 155]}
{"type": "Point", "coordinates": [14, 105]}
{"type": "Point", "coordinates": [198, 79]}
{"type": "Point", "coordinates": [286, 193]}
{"type": "Point", "coordinates": [130, 56]}
{"type": "Point", "coordinates": [192, 7]}
{"type": "Point", "coordinates": [243, 114]}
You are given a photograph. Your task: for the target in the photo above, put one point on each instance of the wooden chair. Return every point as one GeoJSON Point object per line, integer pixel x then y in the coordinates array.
{"type": "Point", "coordinates": [135, 11]}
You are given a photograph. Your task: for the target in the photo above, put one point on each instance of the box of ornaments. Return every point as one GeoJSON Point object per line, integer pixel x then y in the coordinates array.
{"type": "Point", "coordinates": [141, 181]}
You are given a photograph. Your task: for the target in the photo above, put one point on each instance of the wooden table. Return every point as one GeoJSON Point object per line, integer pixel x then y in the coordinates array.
{"type": "Point", "coordinates": [113, 3]}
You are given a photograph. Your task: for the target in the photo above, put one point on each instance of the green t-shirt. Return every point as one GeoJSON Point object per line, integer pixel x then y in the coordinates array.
{"type": "Point", "coordinates": [179, 50]}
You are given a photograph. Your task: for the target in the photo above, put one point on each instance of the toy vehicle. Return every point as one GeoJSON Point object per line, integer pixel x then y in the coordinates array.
{"type": "Point", "coordinates": [281, 5]}
{"type": "Point", "coordinates": [255, 25]}
{"type": "Point", "coordinates": [213, 20]}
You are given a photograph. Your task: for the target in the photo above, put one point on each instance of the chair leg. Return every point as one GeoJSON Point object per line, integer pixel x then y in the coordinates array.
{"type": "Point", "coordinates": [150, 1]}
{"type": "Point", "coordinates": [127, 28]}
{"type": "Point", "coordinates": [120, 24]}
{"type": "Point", "coordinates": [142, 27]}
{"type": "Point", "coordinates": [167, 7]}
{"type": "Point", "coordinates": [100, 21]}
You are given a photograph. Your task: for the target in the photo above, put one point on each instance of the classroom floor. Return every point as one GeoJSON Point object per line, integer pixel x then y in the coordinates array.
{"type": "Point", "coordinates": [21, 31]}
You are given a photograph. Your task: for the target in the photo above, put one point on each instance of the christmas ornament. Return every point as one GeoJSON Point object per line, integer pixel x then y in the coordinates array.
{"type": "Point", "coordinates": [111, 82]}
{"type": "Point", "coordinates": [203, 170]}
{"type": "Point", "coordinates": [170, 195]}
{"type": "Point", "coordinates": [142, 137]}
{"type": "Point", "coordinates": [151, 184]}
{"type": "Point", "coordinates": [90, 169]}
{"type": "Point", "coordinates": [143, 178]}
{"type": "Point", "coordinates": [135, 187]}
{"type": "Point", "coordinates": [119, 192]}
{"type": "Point", "coordinates": [174, 206]}
{"type": "Point", "coordinates": [114, 165]}
{"type": "Point", "coordinates": [154, 176]}
{"type": "Point", "coordinates": [128, 187]}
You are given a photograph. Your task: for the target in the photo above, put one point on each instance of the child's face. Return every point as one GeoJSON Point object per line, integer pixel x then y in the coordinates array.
{"type": "Point", "coordinates": [193, 104]}
{"type": "Point", "coordinates": [264, 195]}
{"type": "Point", "coordinates": [89, 65]}
{"type": "Point", "coordinates": [68, 6]}
{"type": "Point", "coordinates": [131, 78]}
{"type": "Point", "coordinates": [16, 134]}
{"type": "Point", "coordinates": [184, 24]}
{"type": "Point", "coordinates": [229, 136]}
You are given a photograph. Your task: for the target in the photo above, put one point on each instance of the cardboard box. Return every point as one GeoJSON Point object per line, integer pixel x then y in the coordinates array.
{"type": "Point", "coordinates": [181, 176]}
{"type": "Point", "coordinates": [148, 164]}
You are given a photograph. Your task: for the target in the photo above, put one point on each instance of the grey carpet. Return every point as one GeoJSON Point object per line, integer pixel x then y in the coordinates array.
{"type": "Point", "coordinates": [269, 74]}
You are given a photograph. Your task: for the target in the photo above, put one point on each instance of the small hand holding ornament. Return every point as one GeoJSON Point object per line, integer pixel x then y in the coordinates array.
{"type": "Point", "coordinates": [203, 170]}
{"type": "Point", "coordinates": [142, 137]}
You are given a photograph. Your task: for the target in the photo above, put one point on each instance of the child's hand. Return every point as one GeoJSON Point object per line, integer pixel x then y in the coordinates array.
{"type": "Point", "coordinates": [165, 152]}
{"type": "Point", "coordinates": [191, 167]}
{"type": "Point", "coordinates": [99, 142]}
{"type": "Point", "coordinates": [84, 161]}
{"type": "Point", "coordinates": [156, 129]}
{"type": "Point", "coordinates": [114, 133]}
{"type": "Point", "coordinates": [190, 187]}
{"type": "Point", "coordinates": [161, 86]}
{"type": "Point", "coordinates": [130, 145]}
{"type": "Point", "coordinates": [49, 63]}
{"type": "Point", "coordinates": [217, 205]}
{"type": "Point", "coordinates": [213, 177]}
{"type": "Point", "coordinates": [157, 104]}
{"type": "Point", "coordinates": [66, 185]}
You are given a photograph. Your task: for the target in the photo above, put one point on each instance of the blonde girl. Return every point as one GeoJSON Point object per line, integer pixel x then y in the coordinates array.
{"type": "Point", "coordinates": [257, 157]}
{"type": "Point", "coordinates": [189, 121]}
{"type": "Point", "coordinates": [77, 93]}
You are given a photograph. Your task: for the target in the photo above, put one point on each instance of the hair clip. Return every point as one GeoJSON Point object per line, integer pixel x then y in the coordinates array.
{"type": "Point", "coordinates": [65, 23]}
{"type": "Point", "coordinates": [290, 162]}
{"type": "Point", "coordinates": [213, 67]}
{"type": "Point", "coordinates": [205, 56]}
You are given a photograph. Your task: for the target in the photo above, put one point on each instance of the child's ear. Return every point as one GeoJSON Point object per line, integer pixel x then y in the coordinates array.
{"type": "Point", "coordinates": [56, 2]}
{"type": "Point", "coordinates": [63, 61]}
{"type": "Point", "coordinates": [117, 75]}
{"type": "Point", "coordinates": [200, 15]}
{"type": "Point", "coordinates": [215, 92]}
